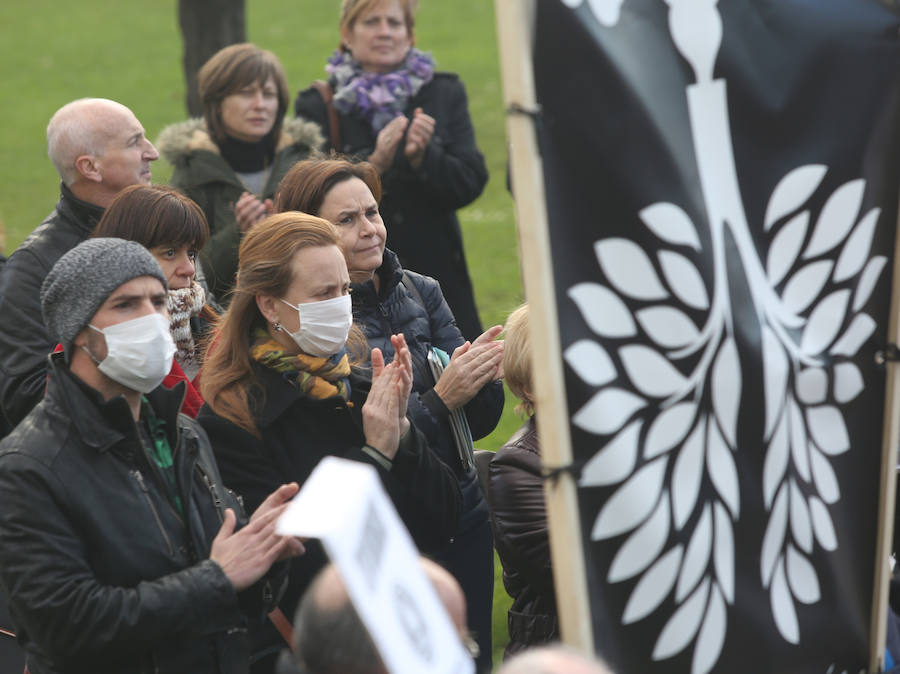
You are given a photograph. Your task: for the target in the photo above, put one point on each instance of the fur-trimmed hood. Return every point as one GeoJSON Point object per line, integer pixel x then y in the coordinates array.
{"type": "Point", "coordinates": [184, 138]}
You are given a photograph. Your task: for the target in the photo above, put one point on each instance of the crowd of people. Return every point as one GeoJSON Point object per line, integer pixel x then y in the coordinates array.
{"type": "Point", "coordinates": [176, 360]}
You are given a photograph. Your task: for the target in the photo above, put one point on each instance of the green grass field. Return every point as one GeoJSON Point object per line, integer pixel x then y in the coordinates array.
{"type": "Point", "coordinates": [131, 52]}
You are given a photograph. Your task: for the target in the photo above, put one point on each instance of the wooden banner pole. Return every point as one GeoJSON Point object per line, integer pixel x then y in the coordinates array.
{"type": "Point", "coordinates": [514, 19]}
{"type": "Point", "coordinates": [887, 487]}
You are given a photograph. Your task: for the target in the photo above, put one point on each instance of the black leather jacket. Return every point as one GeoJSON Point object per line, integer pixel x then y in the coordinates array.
{"type": "Point", "coordinates": [519, 518]}
{"type": "Point", "coordinates": [102, 572]}
{"type": "Point", "coordinates": [24, 343]}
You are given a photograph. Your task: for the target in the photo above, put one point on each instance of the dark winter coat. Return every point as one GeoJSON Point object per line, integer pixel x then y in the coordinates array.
{"type": "Point", "coordinates": [297, 432]}
{"type": "Point", "coordinates": [394, 309]}
{"type": "Point", "coordinates": [519, 518]}
{"type": "Point", "coordinates": [103, 574]}
{"type": "Point", "coordinates": [203, 174]}
{"type": "Point", "coordinates": [419, 205]}
{"type": "Point", "coordinates": [410, 303]}
{"type": "Point", "coordinates": [24, 343]}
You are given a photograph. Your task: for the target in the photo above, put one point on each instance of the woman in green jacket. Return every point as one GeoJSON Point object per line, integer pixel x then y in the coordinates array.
{"type": "Point", "coordinates": [231, 161]}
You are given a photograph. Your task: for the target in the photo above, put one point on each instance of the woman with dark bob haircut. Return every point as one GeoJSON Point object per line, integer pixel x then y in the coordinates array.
{"type": "Point", "coordinates": [231, 161]}
{"type": "Point", "coordinates": [283, 391]}
{"type": "Point", "coordinates": [173, 229]}
{"type": "Point", "coordinates": [388, 299]}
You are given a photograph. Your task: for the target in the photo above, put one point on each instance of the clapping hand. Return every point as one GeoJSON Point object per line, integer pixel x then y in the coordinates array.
{"type": "Point", "coordinates": [419, 134]}
{"type": "Point", "coordinates": [384, 413]}
{"type": "Point", "coordinates": [471, 366]}
{"type": "Point", "coordinates": [246, 555]}
{"type": "Point", "coordinates": [249, 210]}
{"type": "Point", "coordinates": [386, 143]}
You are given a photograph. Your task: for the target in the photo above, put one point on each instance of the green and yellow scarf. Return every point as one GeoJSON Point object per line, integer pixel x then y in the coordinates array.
{"type": "Point", "coordinates": [316, 377]}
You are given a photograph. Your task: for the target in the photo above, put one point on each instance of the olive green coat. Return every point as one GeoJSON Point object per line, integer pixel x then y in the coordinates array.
{"type": "Point", "coordinates": [203, 174]}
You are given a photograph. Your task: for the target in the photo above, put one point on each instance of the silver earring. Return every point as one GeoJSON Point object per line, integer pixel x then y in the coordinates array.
{"type": "Point", "coordinates": [277, 326]}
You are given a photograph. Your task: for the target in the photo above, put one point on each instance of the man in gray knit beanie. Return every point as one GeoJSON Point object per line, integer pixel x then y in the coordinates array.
{"type": "Point", "coordinates": [120, 548]}
{"type": "Point", "coordinates": [83, 278]}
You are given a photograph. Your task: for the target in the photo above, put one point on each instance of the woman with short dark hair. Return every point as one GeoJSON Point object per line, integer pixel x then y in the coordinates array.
{"type": "Point", "coordinates": [231, 161]}
{"type": "Point", "coordinates": [173, 229]}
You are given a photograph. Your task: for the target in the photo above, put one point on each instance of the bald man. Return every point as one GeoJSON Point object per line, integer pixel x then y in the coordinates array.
{"type": "Point", "coordinates": [330, 638]}
{"type": "Point", "coordinates": [556, 659]}
{"type": "Point", "coordinates": [98, 147]}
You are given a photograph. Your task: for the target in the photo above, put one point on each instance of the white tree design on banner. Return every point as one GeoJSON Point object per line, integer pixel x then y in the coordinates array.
{"type": "Point", "coordinates": [679, 417]}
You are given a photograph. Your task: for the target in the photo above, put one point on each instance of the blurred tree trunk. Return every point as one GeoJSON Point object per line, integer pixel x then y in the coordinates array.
{"type": "Point", "coordinates": [206, 27]}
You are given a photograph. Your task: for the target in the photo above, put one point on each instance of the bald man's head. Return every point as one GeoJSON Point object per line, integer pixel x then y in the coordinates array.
{"type": "Point", "coordinates": [556, 659]}
{"type": "Point", "coordinates": [99, 144]}
{"type": "Point", "coordinates": [330, 638]}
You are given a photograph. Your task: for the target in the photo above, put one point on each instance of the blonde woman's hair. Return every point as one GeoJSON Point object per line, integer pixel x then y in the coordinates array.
{"type": "Point", "coordinates": [517, 359]}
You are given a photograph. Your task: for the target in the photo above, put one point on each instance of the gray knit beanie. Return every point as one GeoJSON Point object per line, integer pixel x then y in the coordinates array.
{"type": "Point", "coordinates": [84, 277]}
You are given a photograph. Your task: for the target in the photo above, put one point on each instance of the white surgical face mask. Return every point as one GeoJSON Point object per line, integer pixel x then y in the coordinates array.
{"type": "Point", "coordinates": [138, 352]}
{"type": "Point", "coordinates": [324, 325]}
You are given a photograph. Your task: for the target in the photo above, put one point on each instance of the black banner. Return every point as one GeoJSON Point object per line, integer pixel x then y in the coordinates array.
{"type": "Point", "coordinates": [722, 194]}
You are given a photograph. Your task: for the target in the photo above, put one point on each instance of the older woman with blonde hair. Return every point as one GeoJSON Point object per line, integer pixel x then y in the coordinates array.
{"type": "Point", "coordinates": [285, 387]}
{"type": "Point", "coordinates": [518, 513]}
{"type": "Point", "coordinates": [386, 103]}
{"type": "Point", "coordinates": [231, 161]}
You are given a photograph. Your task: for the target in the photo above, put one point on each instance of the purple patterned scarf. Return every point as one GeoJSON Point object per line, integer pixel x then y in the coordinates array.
{"type": "Point", "coordinates": [378, 97]}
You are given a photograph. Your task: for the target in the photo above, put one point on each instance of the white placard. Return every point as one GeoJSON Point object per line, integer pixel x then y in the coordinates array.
{"type": "Point", "coordinates": [343, 504]}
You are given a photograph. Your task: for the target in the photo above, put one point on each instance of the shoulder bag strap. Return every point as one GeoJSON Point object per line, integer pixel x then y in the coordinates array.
{"type": "Point", "coordinates": [413, 290]}
{"type": "Point", "coordinates": [334, 124]}
{"type": "Point", "coordinates": [283, 625]}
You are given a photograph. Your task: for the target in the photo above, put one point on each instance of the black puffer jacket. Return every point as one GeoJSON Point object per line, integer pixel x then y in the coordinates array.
{"type": "Point", "coordinates": [104, 576]}
{"type": "Point", "coordinates": [394, 309]}
{"type": "Point", "coordinates": [297, 432]}
{"type": "Point", "coordinates": [519, 519]}
{"type": "Point", "coordinates": [419, 205]}
{"type": "Point", "coordinates": [24, 344]}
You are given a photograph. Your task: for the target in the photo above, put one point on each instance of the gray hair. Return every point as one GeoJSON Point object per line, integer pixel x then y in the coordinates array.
{"type": "Point", "coordinates": [75, 130]}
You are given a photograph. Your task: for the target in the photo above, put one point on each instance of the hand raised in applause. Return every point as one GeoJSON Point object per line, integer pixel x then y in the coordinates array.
{"type": "Point", "coordinates": [419, 134]}
{"type": "Point", "coordinates": [384, 414]}
{"type": "Point", "coordinates": [248, 210]}
{"type": "Point", "coordinates": [386, 143]}
{"type": "Point", "coordinates": [247, 554]}
{"type": "Point", "coordinates": [403, 359]}
{"type": "Point", "coordinates": [471, 366]}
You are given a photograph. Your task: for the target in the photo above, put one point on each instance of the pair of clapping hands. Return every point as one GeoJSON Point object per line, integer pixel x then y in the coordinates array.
{"type": "Point", "coordinates": [418, 132]}
{"type": "Point", "coordinates": [471, 367]}
{"type": "Point", "coordinates": [384, 413]}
